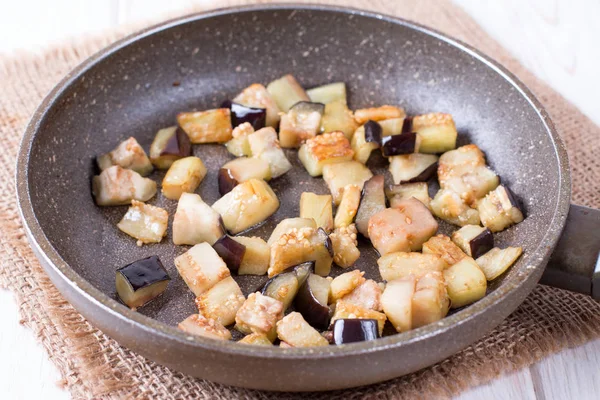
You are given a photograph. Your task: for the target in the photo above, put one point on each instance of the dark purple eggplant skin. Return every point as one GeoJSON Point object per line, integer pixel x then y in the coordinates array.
{"type": "Point", "coordinates": [354, 330]}
{"type": "Point", "coordinates": [257, 117]}
{"type": "Point", "coordinates": [399, 144]}
{"type": "Point", "coordinates": [226, 181]}
{"type": "Point", "coordinates": [513, 199]}
{"type": "Point", "coordinates": [373, 191]}
{"type": "Point", "coordinates": [373, 132]}
{"type": "Point", "coordinates": [315, 313]}
{"type": "Point", "coordinates": [481, 243]}
{"type": "Point", "coordinates": [308, 107]}
{"type": "Point", "coordinates": [178, 145]}
{"type": "Point", "coordinates": [407, 124]}
{"type": "Point", "coordinates": [425, 175]}
{"type": "Point", "coordinates": [144, 272]}
{"type": "Point", "coordinates": [328, 245]}
{"type": "Point", "coordinates": [230, 251]}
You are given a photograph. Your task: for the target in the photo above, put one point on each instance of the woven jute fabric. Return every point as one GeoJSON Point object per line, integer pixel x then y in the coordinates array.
{"type": "Point", "coordinates": [94, 366]}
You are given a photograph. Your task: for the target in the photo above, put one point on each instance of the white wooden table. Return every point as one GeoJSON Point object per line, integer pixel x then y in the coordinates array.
{"type": "Point", "coordinates": [556, 39]}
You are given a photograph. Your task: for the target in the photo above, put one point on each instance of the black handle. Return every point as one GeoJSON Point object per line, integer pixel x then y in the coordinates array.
{"type": "Point", "coordinates": [575, 263]}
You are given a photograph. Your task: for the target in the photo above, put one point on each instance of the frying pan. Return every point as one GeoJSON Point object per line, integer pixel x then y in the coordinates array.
{"type": "Point", "coordinates": [138, 85]}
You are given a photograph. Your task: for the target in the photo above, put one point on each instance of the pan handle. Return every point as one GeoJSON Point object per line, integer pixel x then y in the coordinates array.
{"type": "Point", "coordinates": [575, 263]}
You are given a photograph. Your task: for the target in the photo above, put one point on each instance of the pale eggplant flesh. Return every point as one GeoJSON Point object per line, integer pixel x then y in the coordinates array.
{"type": "Point", "coordinates": [282, 287]}
{"type": "Point", "coordinates": [351, 330]}
{"type": "Point", "coordinates": [308, 107]}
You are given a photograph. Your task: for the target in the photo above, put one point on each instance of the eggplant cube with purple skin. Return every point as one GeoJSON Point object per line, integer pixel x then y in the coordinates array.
{"type": "Point", "coordinates": [129, 155]}
{"type": "Point", "coordinates": [211, 126]}
{"type": "Point", "coordinates": [403, 228]}
{"type": "Point", "coordinates": [282, 287]}
{"type": "Point", "coordinates": [437, 131]}
{"type": "Point", "coordinates": [259, 314]}
{"type": "Point", "coordinates": [372, 201]}
{"type": "Point", "coordinates": [169, 144]}
{"type": "Point", "coordinates": [366, 139]}
{"type": "Point", "coordinates": [256, 95]}
{"type": "Point", "coordinates": [195, 221]}
{"type": "Point", "coordinates": [413, 167]}
{"type": "Point", "coordinates": [265, 145]}
{"type": "Point", "coordinates": [300, 123]}
{"type": "Point", "coordinates": [146, 223]}
{"type": "Point", "coordinates": [339, 175]}
{"type": "Point", "coordinates": [405, 143]}
{"type": "Point", "coordinates": [240, 170]}
{"type": "Point", "coordinates": [197, 324]}
{"type": "Point", "coordinates": [311, 300]}
{"type": "Point", "coordinates": [474, 240]}
{"type": "Point", "coordinates": [241, 114]}
{"type": "Point", "coordinates": [499, 209]}
{"type": "Point", "coordinates": [117, 186]}
{"type": "Point", "coordinates": [354, 330]}
{"type": "Point", "coordinates": [256, 257]}
{"type": "Point", "coordinates": [294, 330]}
{"type": "Point", "coordinates": [328, 148]}
{"type": "Point", "coordinates": [184, 176]}
{"type": "Point", "coordinates": [299, 245]}
{"type": "Point", "coordinates": [221, 302]}
{"type": "Point", "coordinates": [345, 310]}
{"type": "Point", "coordinates": [201, 268]}
{"type": "Point", "coordinates": [248, 204]}
{"type": "Point", "coordinates": [231, 251]}
{"type": "Point", "coordinates": [141, 281]}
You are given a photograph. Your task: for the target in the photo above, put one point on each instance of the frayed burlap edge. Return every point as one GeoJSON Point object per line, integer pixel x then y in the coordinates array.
{"type": "Point", "coordinates": [93, 365]}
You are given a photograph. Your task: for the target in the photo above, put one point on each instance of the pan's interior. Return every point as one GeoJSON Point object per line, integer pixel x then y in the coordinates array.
{"type": "Point", "coordinates": [196, 65]}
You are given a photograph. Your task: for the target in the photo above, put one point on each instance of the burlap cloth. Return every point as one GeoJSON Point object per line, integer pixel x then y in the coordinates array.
{"type": "Point", "coordinates": [94, 366]}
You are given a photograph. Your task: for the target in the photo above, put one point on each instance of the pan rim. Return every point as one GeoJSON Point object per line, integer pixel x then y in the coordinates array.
{"type": "Point", "coordinates": [51, 258]}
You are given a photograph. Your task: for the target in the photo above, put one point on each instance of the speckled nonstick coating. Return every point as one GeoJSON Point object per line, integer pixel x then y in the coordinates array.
{"type": "Point", "coordinates": [130, 89]}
